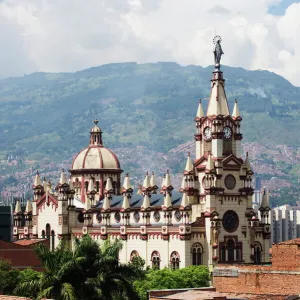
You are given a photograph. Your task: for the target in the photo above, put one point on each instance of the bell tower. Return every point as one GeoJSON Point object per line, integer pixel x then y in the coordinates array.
{"type": "Point", "coordinates": [225, 178]}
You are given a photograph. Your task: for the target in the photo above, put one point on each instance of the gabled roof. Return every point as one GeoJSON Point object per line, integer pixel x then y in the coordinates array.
{"type": "Point", "coordinates": [232, 162]}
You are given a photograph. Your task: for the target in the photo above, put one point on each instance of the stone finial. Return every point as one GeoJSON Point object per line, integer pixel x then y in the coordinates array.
{"type": "Point", "coordinates": [37, 180]}
{"type": "Point", "coordinates": [91, 185]}
{"type": "Point", "coordinates": [200, 112]}
{"type": "Point", "coordinates": [125, 203]}
{"type": "Point", "coordinates": [63, 179]}
{"type": "Point", "coordinates": [146, 183]}
{"type": "Point", "coordinates": [28, 208]}
{"type": "Point", "coordinates": [189, 164]}
{"type": "Point", "coordinates": [236, 111]}
{"type": "Point", "coordinates": [247, 162]}
{"type": "Point", "coordinates": [210, 163]}
{"type": "Point", "coordinates": [106, 203]}
{"type": "Point", "coordinates": [108, 186]}
{"type": "Point", "coordinates": [18, 208]}
{"type": "Point", "coordinates": [146, 201]}
{"type": "Point", "coordinates": [167, 201]}
{"type": "Point", "coordinates": [126, 184]}
{"type": "Point", "coordinates": [153, 180]}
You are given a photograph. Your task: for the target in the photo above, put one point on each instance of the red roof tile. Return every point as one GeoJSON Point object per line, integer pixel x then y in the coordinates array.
{"type": "Point", "coordinates": [28, 242]}
{"type": "Point", "coordinates": [291, 242]}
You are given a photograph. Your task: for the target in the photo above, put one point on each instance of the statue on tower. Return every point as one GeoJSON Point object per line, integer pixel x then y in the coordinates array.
{"type": "Point", "coordinates": [218, 52]}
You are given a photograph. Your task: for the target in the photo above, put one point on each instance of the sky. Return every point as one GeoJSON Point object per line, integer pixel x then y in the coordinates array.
{"type": "Point", "coordinates": [71, 35]}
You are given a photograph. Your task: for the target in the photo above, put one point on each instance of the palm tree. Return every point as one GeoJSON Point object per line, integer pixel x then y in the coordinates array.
{"type": "Point", "coordinates": [89, 272]}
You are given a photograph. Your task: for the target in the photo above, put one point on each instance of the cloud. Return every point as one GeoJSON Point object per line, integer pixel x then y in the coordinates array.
{"type": "Point", "coordinates": [69, 35]}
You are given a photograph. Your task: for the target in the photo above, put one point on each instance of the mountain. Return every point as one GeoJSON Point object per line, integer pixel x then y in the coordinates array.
{"type": "Point", "coordinates": [45, 117]}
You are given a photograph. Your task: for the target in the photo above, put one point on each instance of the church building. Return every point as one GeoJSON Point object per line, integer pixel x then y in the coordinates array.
{"type": "Point", "coordinates": [209, 220]}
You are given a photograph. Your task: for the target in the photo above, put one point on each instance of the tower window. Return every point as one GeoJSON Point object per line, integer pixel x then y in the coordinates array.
{"type": "Point", "coordinates": [197, 252]}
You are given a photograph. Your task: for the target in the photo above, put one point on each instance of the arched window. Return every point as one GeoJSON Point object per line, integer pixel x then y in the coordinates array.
{"type": "Point", "coordinates": [52, 240]}
{"type": "Point", "coordinates": [257, 253]}
{"type": "Point", "coordinates": [48, 230]}
{"type": "Point", "coordinates": [174, 260]}
{"type": "Point", "coordinates": [197, 251]}
{"type": "Point", "coordinates": [230, 249]}
{"type": "Point", "coordinates": [43, 234]}
{"type": "Point", "coordinates": [223, 253]}
{"type": "Point", "coordinates": [133, 254]}
{"type": "Point", "coordinates": [97, 186]}
{"type": "Point", "coordinates": [155, 258]}
{"type": "Point", "coordinates": [86, 186]}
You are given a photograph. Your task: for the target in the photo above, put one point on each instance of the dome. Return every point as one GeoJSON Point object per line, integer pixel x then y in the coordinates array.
{"type": "Point", "coordinates": [95, 157]}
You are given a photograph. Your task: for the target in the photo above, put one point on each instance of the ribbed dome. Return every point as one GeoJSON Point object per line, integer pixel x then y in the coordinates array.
{"type": "Point", "coordinates": [96, 157]}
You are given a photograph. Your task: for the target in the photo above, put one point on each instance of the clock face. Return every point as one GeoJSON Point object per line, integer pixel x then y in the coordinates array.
{"type": "Point", "coordinates": [227, 132]}
{"type": "Point", "coordinates": [207, 133]}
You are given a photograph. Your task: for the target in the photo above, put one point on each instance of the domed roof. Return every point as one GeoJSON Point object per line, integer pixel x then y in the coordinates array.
{"type": "Point", "coordinates": [95, 157]}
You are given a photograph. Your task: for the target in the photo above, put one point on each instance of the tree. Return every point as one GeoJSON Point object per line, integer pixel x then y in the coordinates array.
{"type": "Point", "coordinates": [89, 272]}
{"type": "Point", "coordinates": [8, 277]}
{"type": "Point", "coordinates": [189, 277]}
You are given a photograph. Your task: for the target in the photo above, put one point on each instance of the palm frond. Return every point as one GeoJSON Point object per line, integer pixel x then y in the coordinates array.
{"type": "Point", "coordinates": [67, 292]}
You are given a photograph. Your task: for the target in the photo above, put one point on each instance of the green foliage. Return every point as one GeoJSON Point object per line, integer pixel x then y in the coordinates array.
{"type": "Point", "coordinates": [8, 277]}
{"type": "Point", "coordinates": [189, 277]}
{"type": "Point", "coordinates": [89, 272]}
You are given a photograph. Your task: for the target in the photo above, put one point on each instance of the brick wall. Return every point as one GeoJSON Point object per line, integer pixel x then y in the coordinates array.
{"type": "Point", "coordinates": [21, 257]}
{"type": "Point", "coordinates": [286, 256]}
{"type": "Point", "coordinates": [260, 282]}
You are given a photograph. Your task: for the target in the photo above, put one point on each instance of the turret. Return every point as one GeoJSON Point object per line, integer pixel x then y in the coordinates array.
{"type": "Point", "coordinates": [146, 185]}
{"type": "Point", "coordinates": [236, 111]}
{"type": "Point", "coordinates": [200, 112]}
{"type": "Point", "coordinates": [37, 187]}
{"type": "Point", "coordinates": [153, 183]}
{"type": "Point", "coordinates": [96, 135]}
{"type": "Point", "coordinates": [108, 187]}
{"type": "Point", "coordinates": [91, 192]}
{"type": "Point", "coordinates": [18, 214]}
{"type": "Point", "coordinates": [189, 164]}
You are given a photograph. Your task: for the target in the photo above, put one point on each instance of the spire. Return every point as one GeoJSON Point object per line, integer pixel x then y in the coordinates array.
{"type": "Point", "coordinates": [37, 180]}
{"type": "Point", "coordinates": [163, 181]}
{"type": "Point", "coordinates": [153, 180]}
{"type": "Point", "coordinates": [265, 203]}
{"type": "Point", "coordinates": [210, 163]}
{"type": "Point", "coordinates": [217, 104]}
{"type": "Point", "coordinates": [236, 111]}
{"type": "Point", "coordinates": [45, 184]}
{"type": "Point", "coordinates": [189, 165]}
{"type": "Point", "coordinates": [146, 183]}
{"type": "Point", "coordinates": [125, 204]}
{"type": "Point", "coordinates": [71, 186]}
{"type": "Point", "coordinates": [87, 204]}
{"type": "Point", "coordinates": [96, 135]}
{"type": "Point", "coordinates": [168, 180]}
{"type": "Point", "coordinates": [146, 202]}
{"type": "Point", "coordinates": [106, 203]}
{"type": "Point", "coordinates": [28, 208]}
{"type": "Point", "coordinates": [126, 184]}
{"type": "Point", "coordinates": [63, 179]}
{"type": "Point", "coordinates": [200, 112]}
{"type": "Point", "coordinates": [18, 207]}
{"type": "Point", "coordinates": [91, 185]}
{"type": "Point", "coordinates": [247, 162]}
{"type": "Point", "coordinates": [184, 200]}
{"type": "Point", "coordinates": [183, 184]}
{"type": "Point", "coordinates": [168, 201]}
{"type": "Point", "coordinates": [108, 186]}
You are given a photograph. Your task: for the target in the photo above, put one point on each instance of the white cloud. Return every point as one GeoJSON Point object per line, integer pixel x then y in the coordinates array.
{"type": "Point", "coordinates": [69, 35]}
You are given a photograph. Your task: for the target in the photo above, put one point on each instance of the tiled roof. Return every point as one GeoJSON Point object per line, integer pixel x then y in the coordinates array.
{"type": "Point", "coordinates": [291, 242]}
{"type": "Point", "coordinates": [28, 242]}
{"type": "Point", "coordinates": [136, 200]}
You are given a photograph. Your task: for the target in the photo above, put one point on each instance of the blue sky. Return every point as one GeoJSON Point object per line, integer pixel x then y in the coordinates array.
{"type": "Point", "coordinates": [279, 9]}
